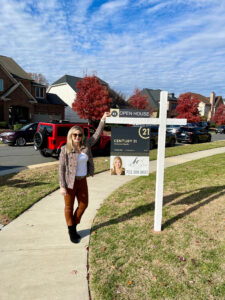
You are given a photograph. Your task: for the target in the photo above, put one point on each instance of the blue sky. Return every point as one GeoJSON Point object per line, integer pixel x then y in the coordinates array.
{"type": "Point", "coordinates": [173, 45]}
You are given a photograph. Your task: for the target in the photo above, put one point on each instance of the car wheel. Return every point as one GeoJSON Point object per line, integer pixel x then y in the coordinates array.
{"type": "Point", "coordinates": [38, 139]}
{"type": "Point", "coordinates": [152, 144]}
{"type": "Point", "coordinates": [21, 141]}
{"type": "Point", "coordinates": [195, 140]}
{"type": "Point", "coordinates": [44, 153]}
{"type": "Point", "coordinates": [209, 139]}
{"type": "Point", "coordinates": [172, 143]}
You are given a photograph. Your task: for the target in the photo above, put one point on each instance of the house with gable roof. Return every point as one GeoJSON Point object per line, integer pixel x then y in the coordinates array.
{"type": "Point", "coordinates": [153, 97]}
{"type": "Point", "coordinates": [208, 105]}
{"type": "Point", "coordinates": [66, 89]}
{"type": "Point", "coordinates": [22, 100]}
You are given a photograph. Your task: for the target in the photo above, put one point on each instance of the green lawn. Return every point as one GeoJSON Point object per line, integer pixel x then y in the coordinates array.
{"type": "Point", "coordinates": [187, 148]}
{"type": "Point", "coordinates": [127, 260]}
{"type": "Point", "coordinates": [19, 191]}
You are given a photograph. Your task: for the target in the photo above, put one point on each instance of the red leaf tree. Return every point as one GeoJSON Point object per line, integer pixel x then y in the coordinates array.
{"type": "Point", "coordinates": [187, 107]}
{"type": "Point", "coordinates": [138, 101]}
{"type": "Point", "coordinates": [219, 116]}
{"type": "Point", "coordinates": [92, 98]}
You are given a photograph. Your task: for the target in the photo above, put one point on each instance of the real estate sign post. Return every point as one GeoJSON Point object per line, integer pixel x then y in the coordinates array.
{"type": "Point", "coordinates": [162, 121]}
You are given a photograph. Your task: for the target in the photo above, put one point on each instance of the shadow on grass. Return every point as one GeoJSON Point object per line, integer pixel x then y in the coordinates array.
{"type": "Point", "coordinates": [24, 184]}
{"type": "Point", "coordinates": [202, 197]}
{"type": "Point", "coordinates": [199, 198]}
{"type": "Point", "coordinates": [6, 180]}
{"type": "Point", "coordinates": [138, 211]}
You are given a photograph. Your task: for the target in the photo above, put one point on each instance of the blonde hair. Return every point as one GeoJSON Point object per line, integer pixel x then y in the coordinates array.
{"type": "Point", "coordinates": [69, 143]}
{"type": "Point", "coordinates": [113, 170]}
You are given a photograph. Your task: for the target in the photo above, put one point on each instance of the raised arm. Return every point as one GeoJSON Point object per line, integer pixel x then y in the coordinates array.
{"type": "Point", "coordinates": [99, 130]}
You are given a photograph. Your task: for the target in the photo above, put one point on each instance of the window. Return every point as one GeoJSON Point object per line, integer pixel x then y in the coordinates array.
{"type": "Point", "coordinates": [62, 131]}
{"type": "Point", "coordinates": [1, 85]}
{"type": "Point", "coordinates": [173, 106]}
{"type": "Point", "coordinates": [39, 92]}
{"type": "Point", "coordinates": [46, 128]}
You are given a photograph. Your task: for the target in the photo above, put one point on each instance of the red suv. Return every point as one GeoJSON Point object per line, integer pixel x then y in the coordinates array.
{"type": "Point", "coordinates": [50, 137]}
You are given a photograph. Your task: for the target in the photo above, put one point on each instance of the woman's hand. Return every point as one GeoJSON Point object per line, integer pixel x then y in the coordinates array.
{"type": "Point", "coordinates": [63, 191]}
{"type": "Point", "coordinates": [106, 114]}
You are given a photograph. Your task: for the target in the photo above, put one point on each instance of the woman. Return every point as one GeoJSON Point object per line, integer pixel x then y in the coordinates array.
{"type": "Point", "coordinates": [75, 164]}
{"type": "Point", "coordinates": [117, 167]}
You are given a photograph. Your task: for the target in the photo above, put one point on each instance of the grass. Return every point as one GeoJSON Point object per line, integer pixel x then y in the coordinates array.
{"type": "Point", "coordinates": [127, 260]}
{"type": "Point", "coordinates": [187, 148]}
{"type": "Point", "coordinates": [20, 191]}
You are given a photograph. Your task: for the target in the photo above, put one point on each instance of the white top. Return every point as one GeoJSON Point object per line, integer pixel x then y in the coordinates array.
{"type": "Point", "coordinates": [82, 165]}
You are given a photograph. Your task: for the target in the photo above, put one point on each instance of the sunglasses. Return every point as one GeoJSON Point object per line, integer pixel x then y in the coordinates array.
{"type": "Point", "coordinates": [77, 135]}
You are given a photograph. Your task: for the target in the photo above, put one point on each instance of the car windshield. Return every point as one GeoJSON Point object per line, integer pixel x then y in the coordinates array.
{"type": "Point", "coordinates": [25, 127]}
{"type": "Point", "coordinates": [173, 126]}
{"type": "Point", "coordinates": [187, 129]}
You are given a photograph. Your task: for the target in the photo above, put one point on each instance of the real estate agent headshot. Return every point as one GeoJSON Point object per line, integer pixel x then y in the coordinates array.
{"type": "Point", "coordinates": [75, 165]}
{"type": "Point", "coordinates": [117, 168]}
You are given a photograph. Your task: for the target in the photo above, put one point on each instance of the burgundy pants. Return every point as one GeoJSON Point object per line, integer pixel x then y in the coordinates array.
{"type": "Point", "coordinates": [80, 190]}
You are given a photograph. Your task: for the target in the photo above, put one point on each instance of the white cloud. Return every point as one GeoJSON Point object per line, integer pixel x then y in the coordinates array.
{"type": "Point", "coordinates": [122, 44]}
{"type": "Point", "coordinates": [112, 6]}
{"type": "Point", "coordinates": [158, 7]}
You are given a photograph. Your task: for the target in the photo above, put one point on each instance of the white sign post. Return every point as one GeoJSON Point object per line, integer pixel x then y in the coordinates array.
{"type": "Point", "coordinates": [162, 121]}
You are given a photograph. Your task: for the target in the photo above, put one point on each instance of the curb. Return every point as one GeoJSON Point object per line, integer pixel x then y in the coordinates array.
{"type": "Point", "coordinates": [30, 167]}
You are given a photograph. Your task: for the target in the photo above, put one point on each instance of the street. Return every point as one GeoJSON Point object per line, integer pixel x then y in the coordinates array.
{"type": "Point", "coordinates": [14, 157]}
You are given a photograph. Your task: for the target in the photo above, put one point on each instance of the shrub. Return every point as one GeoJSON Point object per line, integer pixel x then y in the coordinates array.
{"type": "Point", "coordinates": [17, 126]}
{"type": "Point", "coordinates": [3, 124]}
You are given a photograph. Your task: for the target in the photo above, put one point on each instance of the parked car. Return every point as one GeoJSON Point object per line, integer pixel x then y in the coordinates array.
{"type": "Point", "coordinates": [19, 137]}
{"type": "Point", "coordinates": [202, 124]}
{"type": "Point", "coordinates": [170, 137]}
{"type": "Point", "coordinates": [220, 129]}
{"type": "Point", "coordinates": [172, 128]}
{"type": "Point", "coordinates": [188, 134]}
{"type": "Point", "coordinates": [50, 137]}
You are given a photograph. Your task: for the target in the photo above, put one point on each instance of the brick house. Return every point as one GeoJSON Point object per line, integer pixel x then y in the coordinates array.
{"type": "Point", "coordinates": [22, 100]}
{"type": "Point", "coordinates": [153, 97]}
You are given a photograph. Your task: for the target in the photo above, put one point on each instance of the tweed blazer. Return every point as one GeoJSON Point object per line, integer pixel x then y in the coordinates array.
{"type": "Point", "coordinates": [68, 162]}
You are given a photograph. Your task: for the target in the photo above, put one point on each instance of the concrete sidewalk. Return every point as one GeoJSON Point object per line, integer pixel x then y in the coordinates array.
{"type": "Point", "coordinates": [37, 259]}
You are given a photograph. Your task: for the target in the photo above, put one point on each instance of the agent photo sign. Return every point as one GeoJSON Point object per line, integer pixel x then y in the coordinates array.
{"type": "Point", "coordinates": [129, 151]}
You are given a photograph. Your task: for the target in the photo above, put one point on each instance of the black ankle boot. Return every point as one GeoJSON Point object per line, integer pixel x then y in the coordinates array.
{"type": "Point", "coordinates": [75, 231]}
{"type": "Point", "coordinates": [74, 237]}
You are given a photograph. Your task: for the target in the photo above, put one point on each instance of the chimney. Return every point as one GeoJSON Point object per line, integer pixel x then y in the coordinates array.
{"type": "Point", "coordinates": [212, 98]}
